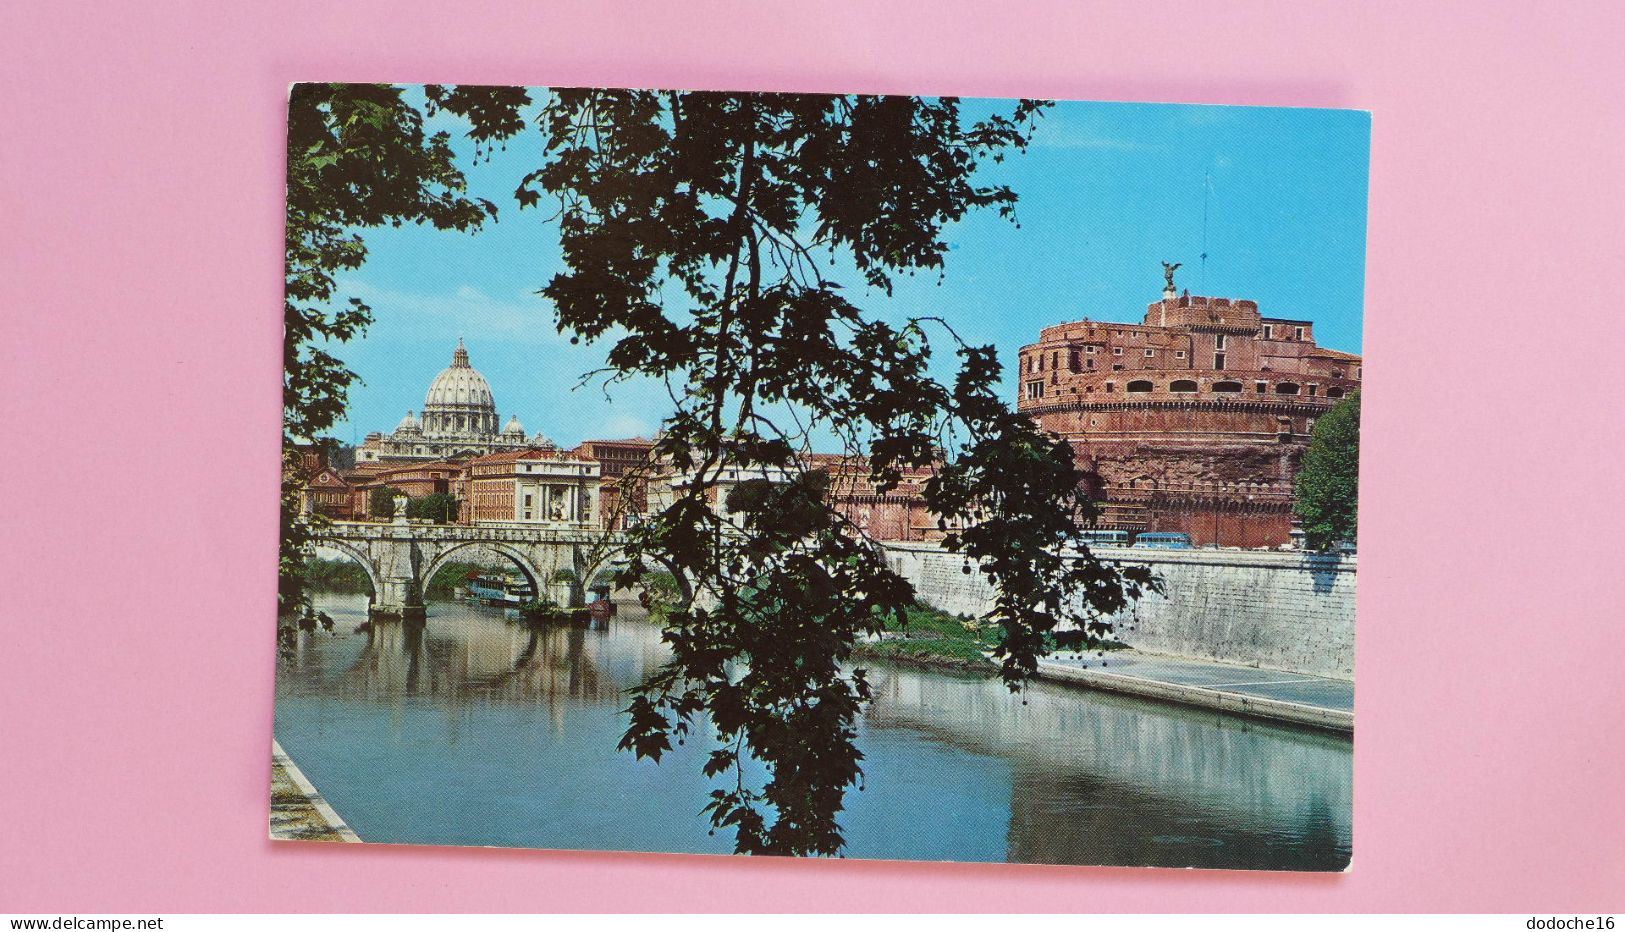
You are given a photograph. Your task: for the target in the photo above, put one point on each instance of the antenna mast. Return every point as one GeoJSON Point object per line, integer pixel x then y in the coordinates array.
{"type": "Point", "coordinates": [1201, 278]}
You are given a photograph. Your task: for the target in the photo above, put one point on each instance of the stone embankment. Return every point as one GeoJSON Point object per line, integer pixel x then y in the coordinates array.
{"type": "Point", "coordinates": [1280, 611]}
{"type": "Point", "coordinates": [1289, 616]}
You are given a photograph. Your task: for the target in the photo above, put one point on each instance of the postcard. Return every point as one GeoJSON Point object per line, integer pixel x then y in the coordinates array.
{"type": "Point", "coordinates": [910, 478]}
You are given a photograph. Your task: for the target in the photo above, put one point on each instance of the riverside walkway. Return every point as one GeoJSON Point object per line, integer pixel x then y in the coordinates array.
{"type": "Point", "coordinates": [1270, 694]}
{"type": "Point", "coordinates": [298, 812]}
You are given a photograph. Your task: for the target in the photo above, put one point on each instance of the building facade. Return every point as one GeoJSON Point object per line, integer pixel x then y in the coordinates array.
{"type": "Point", "coordinates": [899, 514]}
{"type": "Point", "coordinates": [504, 475]}
{"type": "Point", "coordinates": [325, 492]}
{"type": "Point", "coordinates": [1194, 420]}
{"type": "Point", "coordinates": [623, 474]}
{"type": "Point", "coordinates": [538, 486]}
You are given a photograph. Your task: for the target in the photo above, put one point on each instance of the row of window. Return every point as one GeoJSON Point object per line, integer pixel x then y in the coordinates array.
{"type": "Point", "coordinates": [1034, 390]}
{"type": "Point", "coordinates": [1269, 332]}
{"type": "Point", "coordinates": [1035, 363]}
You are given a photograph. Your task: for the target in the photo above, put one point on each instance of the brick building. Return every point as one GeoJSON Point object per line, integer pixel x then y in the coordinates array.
{"type": "Point", "coordinates": [897, 515]}
{"type": "Point", "coordinates": [1195, 420]}
{"type": "Point", "coordinates": [414, 480]}
{"type": "Point", "coordinates": [327, 494]}
{"type": "Point", "coordinates": [537, 486]}
{"type": "Point", "coordinates": [623, 480]}
{"type": "Point", "coordinates": [322, 489]}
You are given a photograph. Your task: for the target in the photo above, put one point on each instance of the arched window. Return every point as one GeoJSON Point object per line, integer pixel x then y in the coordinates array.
{"type": "Point", "coordinates": [1139, 385]}
{"type": "Point", "coordinates": [1182, 386]}
{"type": "Point", "coordinates": [1232, 388]}
{"type": "Point", "coordinates": [1286, 388]}
{"type": "Point", "coordinates": [1334, 392]}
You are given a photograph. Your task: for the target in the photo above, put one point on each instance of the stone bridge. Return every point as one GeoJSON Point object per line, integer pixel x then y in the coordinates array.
{"type": "Point", "coordinates": [401, 557]}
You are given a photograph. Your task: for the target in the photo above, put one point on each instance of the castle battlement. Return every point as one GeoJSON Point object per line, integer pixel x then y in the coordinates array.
{"type": "Point", "coordinates": [1199, 310]}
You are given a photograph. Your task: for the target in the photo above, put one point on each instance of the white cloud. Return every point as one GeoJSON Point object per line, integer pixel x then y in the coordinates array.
{"type": "Point", "coordinates": [524, 318]}
{"type": "Point", "coordinates": [622, 426]}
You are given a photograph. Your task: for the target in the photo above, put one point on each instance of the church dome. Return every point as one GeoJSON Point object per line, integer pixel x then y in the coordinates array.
{"type": "Point", "coordinates": [408, 423]}
{"type": "Point", "coordinates": [460, 401]}
{"type": "Point", "coordinates": [459, 384]}
{"type": "Point", "coordinates": [514, 428]}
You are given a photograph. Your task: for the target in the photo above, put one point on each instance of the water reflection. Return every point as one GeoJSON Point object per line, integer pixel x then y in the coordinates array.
{"type": "Point", "coordinates": [1104, 779]}
{"type": "Point", "coordinates": [510, 730]}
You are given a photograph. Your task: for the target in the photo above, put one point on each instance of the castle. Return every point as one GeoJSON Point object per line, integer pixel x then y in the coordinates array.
{"type": "Point", "coordinates": [1195, 420]}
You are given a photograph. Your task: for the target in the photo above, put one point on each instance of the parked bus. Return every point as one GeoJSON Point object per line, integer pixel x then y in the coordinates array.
{"type": "Point", "coordinates": [1096, 538]}
{"type": "Point", "coordinates": [1164, 540]}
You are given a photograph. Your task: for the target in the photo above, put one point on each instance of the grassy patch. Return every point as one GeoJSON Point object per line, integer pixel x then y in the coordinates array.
{"type": "Point", "coordinates": [929, 635]}
{"type": "Point", "coordinates": [932, 636]}
{"type": "Point", "coordinates": [336, 576]}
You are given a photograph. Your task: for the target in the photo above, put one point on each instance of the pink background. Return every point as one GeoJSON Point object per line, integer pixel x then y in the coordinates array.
{"type": "Point", "coordinates": [142, 206]}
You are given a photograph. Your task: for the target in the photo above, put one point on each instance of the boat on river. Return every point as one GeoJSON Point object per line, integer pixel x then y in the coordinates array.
{"type": "Point", "coordinates": [509, 591]}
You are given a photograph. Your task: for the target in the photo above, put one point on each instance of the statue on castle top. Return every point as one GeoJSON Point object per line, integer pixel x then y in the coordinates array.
{"type": "Point", "coordinates": [1168, 274]}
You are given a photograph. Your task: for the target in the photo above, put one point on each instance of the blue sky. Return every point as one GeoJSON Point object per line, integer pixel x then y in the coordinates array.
{"type": "Point", "coordinates": [1107, 191]}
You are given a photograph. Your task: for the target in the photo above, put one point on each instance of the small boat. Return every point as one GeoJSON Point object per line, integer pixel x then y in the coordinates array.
{"type": "Point", "coordinates": [505, 591]}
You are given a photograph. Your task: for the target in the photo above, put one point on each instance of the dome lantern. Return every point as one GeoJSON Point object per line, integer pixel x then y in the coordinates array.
{"type": "Point", "coordinates": [459, 402]}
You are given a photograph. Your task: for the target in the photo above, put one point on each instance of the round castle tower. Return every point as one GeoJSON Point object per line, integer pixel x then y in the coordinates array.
{"type": "Point", "coordinates": [1194, 420]}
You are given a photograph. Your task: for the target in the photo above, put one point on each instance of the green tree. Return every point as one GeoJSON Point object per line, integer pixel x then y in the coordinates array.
{"type": "Point", "coordinates": [358, 157]}
{"type": "Point", "coordinates": [437, 507]}
{"type": "Point", "coordinates": [702, 236]}
{"type": "Point", "coordinates": [1328, 486]}
{"type": "Point", "coordinates": [381, 502]}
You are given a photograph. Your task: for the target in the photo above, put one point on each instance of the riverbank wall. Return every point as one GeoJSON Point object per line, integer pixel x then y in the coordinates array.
{"type": "Point", "coordinates": [1273, 610]}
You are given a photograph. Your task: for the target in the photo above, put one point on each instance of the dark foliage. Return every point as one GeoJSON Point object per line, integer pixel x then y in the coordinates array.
{"type": "Point", "coordinates": [336, 576]}
{"type": "Point", "coordinates": [438, 507]}
{"type": "Point", "coordinates": [381, 502]}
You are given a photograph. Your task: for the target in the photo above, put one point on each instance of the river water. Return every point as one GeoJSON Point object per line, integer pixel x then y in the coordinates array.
{"type": "Point", "coordinates": [475, 730]}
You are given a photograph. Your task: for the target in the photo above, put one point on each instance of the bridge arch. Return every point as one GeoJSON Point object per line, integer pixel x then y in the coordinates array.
{"type": "Point", "coordinates": [359, 555]}
{"type": "Point", "coordinates": [514, 555]}
{"type": "Point", "coordinates": [603, 560]}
